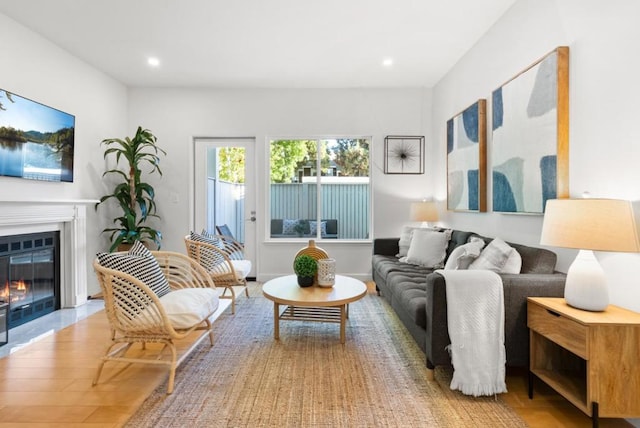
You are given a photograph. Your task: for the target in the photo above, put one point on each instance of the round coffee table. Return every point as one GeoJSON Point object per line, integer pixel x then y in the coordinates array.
{"type": "Point", "coordinates": [320, 304]}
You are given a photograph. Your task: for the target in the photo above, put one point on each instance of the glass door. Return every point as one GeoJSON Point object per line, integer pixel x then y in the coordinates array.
{"type": "Point", "coordinates": [224, 191]}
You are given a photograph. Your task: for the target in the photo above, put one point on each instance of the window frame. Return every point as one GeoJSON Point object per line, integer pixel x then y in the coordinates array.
{"type": "Point", "coordinates": [318, 140]}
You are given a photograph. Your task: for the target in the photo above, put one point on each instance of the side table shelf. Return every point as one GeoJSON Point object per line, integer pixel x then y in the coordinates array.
{"type": "Point", "coordinates": [590, 358]}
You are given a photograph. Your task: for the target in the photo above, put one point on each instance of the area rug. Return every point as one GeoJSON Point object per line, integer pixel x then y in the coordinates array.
{"type": "Point", "coordinates": [308, 379]}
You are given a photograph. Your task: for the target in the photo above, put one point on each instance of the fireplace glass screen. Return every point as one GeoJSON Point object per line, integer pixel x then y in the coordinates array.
{"type": "Point", "coordinates": [29, 275]}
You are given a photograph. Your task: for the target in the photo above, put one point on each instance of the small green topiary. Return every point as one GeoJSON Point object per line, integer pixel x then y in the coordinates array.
{"type": "Point", "coordinates": [305, 265]}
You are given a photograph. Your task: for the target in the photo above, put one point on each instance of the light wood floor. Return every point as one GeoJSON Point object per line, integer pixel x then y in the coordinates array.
{"type": "Point", "coordinates": [48, 384]}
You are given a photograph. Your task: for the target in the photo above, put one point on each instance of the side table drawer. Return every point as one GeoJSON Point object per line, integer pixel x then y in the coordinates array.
{"type": "Point", "coordinates": [555, 327]}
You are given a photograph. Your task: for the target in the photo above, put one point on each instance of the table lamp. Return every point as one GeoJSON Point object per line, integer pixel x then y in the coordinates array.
{"type": "Point", "coordinates": [588, 225]}
{"type": "Point", "coordinates": [424, 211]}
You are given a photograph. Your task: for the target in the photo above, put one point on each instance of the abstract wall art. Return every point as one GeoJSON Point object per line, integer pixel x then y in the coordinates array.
{"type": "Point", "coordinates": [530, 136]}
{"type": "Point", "coordinates": [467, 159]}
{"type": "Point", "coordinates": [403, 154]}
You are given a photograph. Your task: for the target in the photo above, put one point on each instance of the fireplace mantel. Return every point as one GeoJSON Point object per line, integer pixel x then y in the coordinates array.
{"type": "Point", "coordinates": [70, 218]}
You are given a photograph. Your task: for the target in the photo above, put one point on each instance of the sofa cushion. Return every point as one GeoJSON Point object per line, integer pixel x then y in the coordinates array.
{"type": "Point", "coordinates": [428, 248]}
{"type": "Point", "coordinates": [189, 306]}
{"type": "Point", "coordinates": [408, 292]}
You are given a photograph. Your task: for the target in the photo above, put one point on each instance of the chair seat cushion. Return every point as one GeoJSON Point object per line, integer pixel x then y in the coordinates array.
{"type": "Point", "coordinates": [242, 268]}
{"type": "Point", "coordinates": [189, 306]}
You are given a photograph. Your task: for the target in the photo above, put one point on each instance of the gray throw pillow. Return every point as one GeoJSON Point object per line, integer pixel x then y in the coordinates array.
{"type": "Point", "coordinates": [493, 257]}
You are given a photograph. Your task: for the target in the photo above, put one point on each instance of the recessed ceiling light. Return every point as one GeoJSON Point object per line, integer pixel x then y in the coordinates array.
{"type": "Point", "coordinates": [153, 61]}
{"type": "Point", "coordinates": [387, 62]}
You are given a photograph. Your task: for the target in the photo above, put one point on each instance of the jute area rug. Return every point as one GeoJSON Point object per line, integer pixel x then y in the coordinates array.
{"type": "Point", "coordinates": [308, 379]}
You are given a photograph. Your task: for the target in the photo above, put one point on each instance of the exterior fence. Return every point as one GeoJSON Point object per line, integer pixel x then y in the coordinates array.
{"type": "Point", "coordinates": [346, 202]}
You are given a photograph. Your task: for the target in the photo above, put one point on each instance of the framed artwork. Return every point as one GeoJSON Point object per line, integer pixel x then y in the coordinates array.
{"type": "Point", "coordinates": [467, 159]}
{"type": "Point", "coordinates": [530, 136]}
{"type": "Point", "coordinates": [404, 154]}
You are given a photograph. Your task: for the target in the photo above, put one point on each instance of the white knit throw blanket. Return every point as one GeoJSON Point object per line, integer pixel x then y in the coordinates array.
{"type": "Point", "coordinates": [475, 318]}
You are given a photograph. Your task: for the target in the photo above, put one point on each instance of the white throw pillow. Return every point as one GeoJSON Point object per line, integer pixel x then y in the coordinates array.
{"type": "Point", "coordinates": [494, 257]}
{"type": "Point", "coordinates": [514, 263]}
{"type": "Point", "coordinates": [405, 240]}
{"type": "Point", "coordinates": [428, 248]}
{"type": "Point", "coordinates": [461, 257]}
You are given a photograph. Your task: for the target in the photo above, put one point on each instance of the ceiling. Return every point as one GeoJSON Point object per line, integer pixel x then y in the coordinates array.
{"type": "Point", "coordinates": [264, 43]}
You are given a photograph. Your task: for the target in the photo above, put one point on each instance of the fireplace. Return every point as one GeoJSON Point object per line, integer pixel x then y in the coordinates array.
{"type": "Point", "coordinates": [30, 275]}
{"type": "Point", "coordinates": [67, 218]}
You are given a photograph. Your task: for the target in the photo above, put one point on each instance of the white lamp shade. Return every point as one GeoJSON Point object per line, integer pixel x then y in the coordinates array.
{"type": "Point", "coordinates": [591, 224]}
{"type": "Point", "coordinates": [424, 211]}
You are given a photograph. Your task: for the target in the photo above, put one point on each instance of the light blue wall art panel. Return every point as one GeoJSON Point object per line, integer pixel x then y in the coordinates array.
{"type": "Point", "coordinates": [530, 136]}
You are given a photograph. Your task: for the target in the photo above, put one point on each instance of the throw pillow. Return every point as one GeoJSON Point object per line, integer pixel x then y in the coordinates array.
{"type": "Point", "coordinates": [313, 227]}
{"type": "Point", "coordinates": [139, 263]}
{"type": "Point", "coordinates": [208, 258]}
{"type": "Point", "coordinates": [428, 248]}
{"type": "Point", "coordinates": [405, 240]}
{"type": "Point", "coordinates": [461, 257]}
{"type": "Point", "coordinates": [493, 257]}
{"type": "Point", "coordinates": [288, 226]}
{"type": "Point", "coordinates": [514, 263]}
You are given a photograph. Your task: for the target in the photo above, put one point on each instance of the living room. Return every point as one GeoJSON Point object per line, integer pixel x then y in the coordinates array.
{"type": "Point", "coordinates": [603, 155]}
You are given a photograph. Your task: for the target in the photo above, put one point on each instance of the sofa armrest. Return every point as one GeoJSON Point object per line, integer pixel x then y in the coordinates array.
{"type": "Point", "coordinates": [517, 288]}
{"type": "Point", "coordinates": [437, 329]}
{"type": "Point", "coordinates": [386, 246]}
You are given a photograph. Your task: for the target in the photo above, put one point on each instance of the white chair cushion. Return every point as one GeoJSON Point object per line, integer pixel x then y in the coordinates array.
{"type": "Point", "coordinates": [189, 306]}
{"type": "Point", "coordinates": [242, 268]}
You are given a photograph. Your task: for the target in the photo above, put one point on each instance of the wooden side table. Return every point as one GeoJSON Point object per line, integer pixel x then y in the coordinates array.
{"type": "Point", "coordinates": [590, 358]}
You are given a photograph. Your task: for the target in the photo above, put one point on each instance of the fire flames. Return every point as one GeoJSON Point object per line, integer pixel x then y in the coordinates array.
{"type": "Point", "coordinates": [16, 291]}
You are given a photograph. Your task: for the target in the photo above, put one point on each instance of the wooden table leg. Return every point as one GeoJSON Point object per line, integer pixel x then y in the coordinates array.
{"type": "Point", "coordinates": [276, 321]}
{"type": "Point", "coordinates": [343, 318]}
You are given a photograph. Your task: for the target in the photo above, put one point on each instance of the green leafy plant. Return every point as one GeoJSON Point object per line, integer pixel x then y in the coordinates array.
{"type": "Point", "coordinates": [135, 197]}
{"type": "Point", "coordinates": [305, 266]}
{"type": "Point", "coordinates": [301, 227]}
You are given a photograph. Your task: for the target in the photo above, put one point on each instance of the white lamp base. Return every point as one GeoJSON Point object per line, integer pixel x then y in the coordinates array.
{"type": "Point", "coordinates": [586, 285]}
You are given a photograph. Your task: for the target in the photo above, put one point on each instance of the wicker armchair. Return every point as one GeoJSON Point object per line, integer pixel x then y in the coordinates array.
{"type": "Point", "coordinates": [137, 315]}
{"type": "Point", "coordinates": [223, 258]}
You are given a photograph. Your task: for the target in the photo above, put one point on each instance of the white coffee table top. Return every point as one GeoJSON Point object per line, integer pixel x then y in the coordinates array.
{"type": "Point", "coordinates": [285, 290]}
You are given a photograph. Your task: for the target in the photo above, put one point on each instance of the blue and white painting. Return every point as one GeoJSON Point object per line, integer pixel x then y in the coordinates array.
{"type": "Point", "coordinates": [465, 159]}
{"type": "Point", "coordinates": [525, 139]}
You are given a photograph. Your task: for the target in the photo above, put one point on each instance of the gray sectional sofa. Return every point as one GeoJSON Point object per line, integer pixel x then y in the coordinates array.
{"type": "Point", "coordinates": [418, 296]}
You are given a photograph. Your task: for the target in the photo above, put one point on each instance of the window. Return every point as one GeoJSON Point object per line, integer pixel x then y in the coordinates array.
{"type": "Point", "coordinates": [319, 188]}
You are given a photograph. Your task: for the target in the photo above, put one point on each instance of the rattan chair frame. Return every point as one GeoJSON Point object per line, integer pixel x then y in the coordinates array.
{"type": "Point", "coordinates": [136, 315]}
{"type": "Point", "coordinates": [217, 261]}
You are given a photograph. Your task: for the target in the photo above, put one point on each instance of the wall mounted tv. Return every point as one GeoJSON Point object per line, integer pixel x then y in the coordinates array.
{"type": "Point", "coordinates": [36, 141]}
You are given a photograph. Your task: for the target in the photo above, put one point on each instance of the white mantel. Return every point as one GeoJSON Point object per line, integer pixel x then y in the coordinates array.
{"type": "Point", "coordinates": [70, 218]}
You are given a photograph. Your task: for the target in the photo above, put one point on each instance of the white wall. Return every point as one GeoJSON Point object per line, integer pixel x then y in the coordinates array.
{"type": "Point", "coordinates": [34, 68]}
{"type": "Point", "coordinates": [177, 115]}
{"type": "Point", "coordinates": [604, 94]}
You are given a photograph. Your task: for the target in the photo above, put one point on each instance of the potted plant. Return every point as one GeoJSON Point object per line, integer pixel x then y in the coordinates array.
{"type": "Point", "coordinates": [301, 227]}
{"type": "Point", "coordinates": [135, 197]}
{"type": "Point", "coordinates": [305, 267]}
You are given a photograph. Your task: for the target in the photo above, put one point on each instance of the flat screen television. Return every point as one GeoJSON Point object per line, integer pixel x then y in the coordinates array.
{"type": "Point", "coordinates": [36, 141]}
